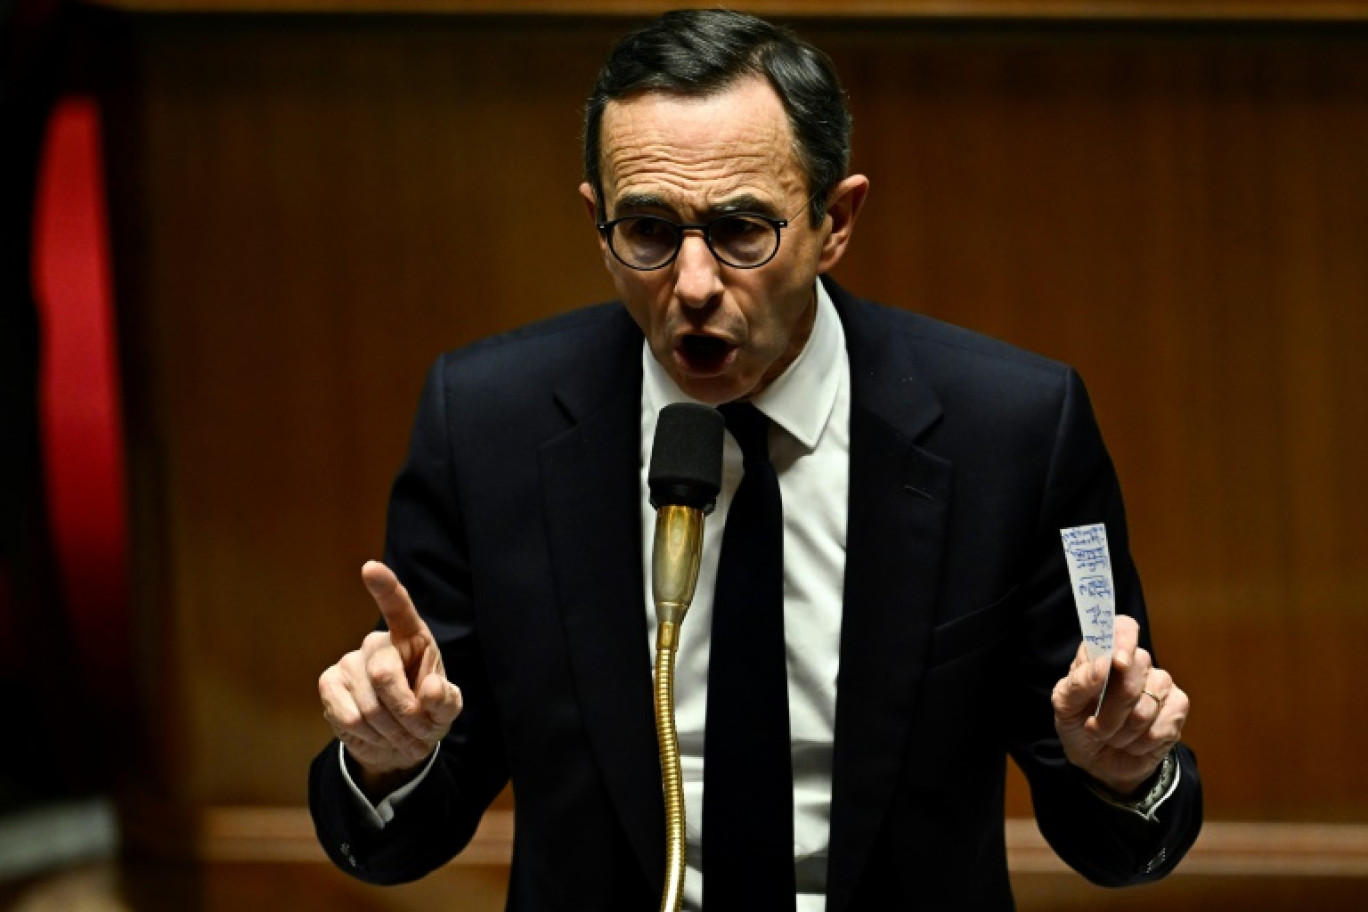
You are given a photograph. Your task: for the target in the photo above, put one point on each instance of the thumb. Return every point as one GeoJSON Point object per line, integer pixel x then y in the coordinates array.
{"type": "Point", "coordinates": [1075, 696]}
{"type": "Point", "coordinates": [440, 699]}
{"type": "Point", "coordinates": [394, 603]}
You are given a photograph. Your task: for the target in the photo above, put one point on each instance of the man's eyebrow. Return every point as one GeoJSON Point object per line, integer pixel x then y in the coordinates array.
{"type": "Point", "coordinates": [651, 202]}
{"type": "Point", "coordinates": [639, 202]}
{"type": "Point", "coordinates": [743, 203]}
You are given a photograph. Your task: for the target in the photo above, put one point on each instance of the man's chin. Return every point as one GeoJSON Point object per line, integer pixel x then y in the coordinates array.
{"type": "Point", "coordinates": [711, 390]}
{"type": "Point", "coordinates": [709, 380]}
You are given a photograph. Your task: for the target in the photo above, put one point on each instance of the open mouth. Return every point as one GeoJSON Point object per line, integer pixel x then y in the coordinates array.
{"type": "Point", "coordinates": [704, 354]}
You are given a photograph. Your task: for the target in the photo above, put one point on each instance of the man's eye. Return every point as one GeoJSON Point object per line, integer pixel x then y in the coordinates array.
{"type": "Point", "coordinates": [646, 229]}
{"type": "Point", "coordinates": [737, 229]}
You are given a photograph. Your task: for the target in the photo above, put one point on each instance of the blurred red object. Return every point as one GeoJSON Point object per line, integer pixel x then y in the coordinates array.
{"type": "Point", "coordinates": [79, 401]}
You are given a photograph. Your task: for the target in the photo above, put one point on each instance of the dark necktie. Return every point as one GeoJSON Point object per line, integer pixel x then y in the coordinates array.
{"type": "Point", "coordinates": [747, 766]}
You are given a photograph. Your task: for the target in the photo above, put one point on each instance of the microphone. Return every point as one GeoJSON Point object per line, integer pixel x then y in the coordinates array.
{"type": "Point", "coordinates": [684, 478]}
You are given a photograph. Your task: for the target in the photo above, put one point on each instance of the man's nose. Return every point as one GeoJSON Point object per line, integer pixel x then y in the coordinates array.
{"type": "Point", "coordinates": [698, 277]}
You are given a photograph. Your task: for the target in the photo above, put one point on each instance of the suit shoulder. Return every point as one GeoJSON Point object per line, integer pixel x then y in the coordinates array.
{"type": "Point", "coordinates": [536, 375]}
{"type": "Point", "coordinates": [939, 348]}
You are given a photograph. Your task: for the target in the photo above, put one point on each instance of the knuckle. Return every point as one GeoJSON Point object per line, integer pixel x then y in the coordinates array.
{"type": "Point", "coordinates": [372, 713]}
{"type": "Point", "coordinates": [382, 668]}
{"type": "Point", "coordinates": [350, 665]}
{"type": "Point", "coordinates": [381, 676]}
{"type": "Point", "coordinates": [375, 640]}
{"type": "Point", "coordinates": [348, 718]}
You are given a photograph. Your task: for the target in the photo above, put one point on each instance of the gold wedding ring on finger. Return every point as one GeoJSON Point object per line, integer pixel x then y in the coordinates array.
{"type": "Point", "coordinates": [1157, 699]}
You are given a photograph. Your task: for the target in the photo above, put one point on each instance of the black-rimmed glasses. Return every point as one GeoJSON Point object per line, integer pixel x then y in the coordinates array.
{"type": "Point", "coordinates": [743, 240]}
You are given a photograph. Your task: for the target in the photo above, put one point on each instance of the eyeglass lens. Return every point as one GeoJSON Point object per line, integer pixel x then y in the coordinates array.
{"type": "Point", "coordinates": [738, 240]}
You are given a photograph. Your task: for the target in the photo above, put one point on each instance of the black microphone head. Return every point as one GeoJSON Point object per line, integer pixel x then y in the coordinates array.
{"type": "Point", "coordinates": [686, 458]}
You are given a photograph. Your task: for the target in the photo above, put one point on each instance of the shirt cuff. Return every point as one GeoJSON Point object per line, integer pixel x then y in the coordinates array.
{"type": "Point", "coordinates": [1147, 804]}
{"type": "Point", "coordinates": [380, 814]}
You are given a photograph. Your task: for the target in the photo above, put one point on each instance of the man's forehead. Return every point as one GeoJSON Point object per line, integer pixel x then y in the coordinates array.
{"type": "Point", "coordinates": [735, 142]}
{"type": "Point", "coordinates": [747, 108]}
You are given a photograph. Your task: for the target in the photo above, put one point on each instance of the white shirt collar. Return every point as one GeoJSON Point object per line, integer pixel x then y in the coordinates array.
{"type": "Point", "coordinates": [799, 400]}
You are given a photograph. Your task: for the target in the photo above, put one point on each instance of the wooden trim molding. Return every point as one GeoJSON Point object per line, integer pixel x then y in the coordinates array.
{"type": "Point", "coordinates": [1226, 847]}
{"type": "Point", "coordinates": [1098, 10]}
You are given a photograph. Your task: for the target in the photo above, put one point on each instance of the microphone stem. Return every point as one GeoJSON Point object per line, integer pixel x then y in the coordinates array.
{"type": "Point", "coordinates": [676, 851]}
{"type": "Point", "coordinates": [678, 550]}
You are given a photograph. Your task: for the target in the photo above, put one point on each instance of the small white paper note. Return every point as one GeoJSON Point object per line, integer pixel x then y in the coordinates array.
{"type": "Point", "coordinates": [1085, 549]}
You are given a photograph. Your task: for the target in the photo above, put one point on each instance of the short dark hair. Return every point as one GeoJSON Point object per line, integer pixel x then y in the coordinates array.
{"type": "Point", "coordinates": [702, 52]}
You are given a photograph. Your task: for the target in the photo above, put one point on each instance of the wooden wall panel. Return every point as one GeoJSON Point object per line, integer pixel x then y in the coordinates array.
{"type": "Point", "coordinates": [1057, 10]}
{"type": "Point", "coordinates": [1182, 217]}
{"type": "Point", "coordinates": [310, 208]}
{"type": "Point", "coordinates": [316, 210]}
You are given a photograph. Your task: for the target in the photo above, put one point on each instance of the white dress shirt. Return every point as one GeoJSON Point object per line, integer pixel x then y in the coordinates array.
{"type": "Point", "coordinates": [809, 408]}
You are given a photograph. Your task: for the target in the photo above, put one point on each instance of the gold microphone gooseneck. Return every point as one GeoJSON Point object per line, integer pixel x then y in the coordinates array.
{"type": "Point", "coordinates": [685, 474]}
{"type": "Point", "coordinates": [674, 569]}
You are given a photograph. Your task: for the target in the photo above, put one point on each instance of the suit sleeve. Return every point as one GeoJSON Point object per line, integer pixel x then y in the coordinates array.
{"type": "Point", "coordinates": [426, 546]}
{"type": "Point", "coordinates": [1111, 846]}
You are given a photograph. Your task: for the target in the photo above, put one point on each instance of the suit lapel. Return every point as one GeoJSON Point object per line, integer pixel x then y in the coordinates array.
{"type": "Point", "coordinates": [899, 502]}
{"type": "Point", "coordinates": [591, 484]}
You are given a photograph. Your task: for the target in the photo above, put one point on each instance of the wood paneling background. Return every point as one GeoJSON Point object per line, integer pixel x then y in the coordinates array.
{"type": "Point", "coordinates": [1182, 216]}
{"type": "Point", "coordinates": [309, 208]}
{"type": "Point", "coordinates": [1057, 10]}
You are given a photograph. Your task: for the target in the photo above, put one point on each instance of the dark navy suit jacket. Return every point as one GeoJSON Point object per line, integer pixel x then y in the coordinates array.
{"type": "Point", "coordinates": [515, 524]}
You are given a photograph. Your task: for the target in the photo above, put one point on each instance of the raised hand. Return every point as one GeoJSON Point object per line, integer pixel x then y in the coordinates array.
{"type": "Point", "coordinates": [1140, 721]}
{"type": "Point", "coordinates": [390, 701]}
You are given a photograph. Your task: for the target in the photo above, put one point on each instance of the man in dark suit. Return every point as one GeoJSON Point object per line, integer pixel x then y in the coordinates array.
{"type": "Point", "coordinates": [926, 473]}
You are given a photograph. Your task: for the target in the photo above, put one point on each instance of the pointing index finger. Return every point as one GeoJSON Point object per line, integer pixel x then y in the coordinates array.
{"type": "Point", "coordinates": [393, 601]}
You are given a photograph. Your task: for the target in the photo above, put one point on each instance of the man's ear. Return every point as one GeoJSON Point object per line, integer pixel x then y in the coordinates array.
{"type": "Point", "coordinates": [590, 201]}
{"type": "Point", "coordinates": [591, 205]}
{"type": "Point", "coordinates": [846, 201]}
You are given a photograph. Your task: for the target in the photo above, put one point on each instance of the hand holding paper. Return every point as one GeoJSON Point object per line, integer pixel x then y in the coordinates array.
{"type": "Point", "coordinates": [1118, 735]}
{"type": "Point", "coordinates": [1140, 720]}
